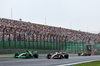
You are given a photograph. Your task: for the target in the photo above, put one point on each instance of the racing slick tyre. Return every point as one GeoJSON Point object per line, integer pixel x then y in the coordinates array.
{"type": "Point", "coordinates": [79, 54]}
{"type": "Point", "coordinates": [89, 54]}
{"type": "Point", "coordinates": [35, 55]}
{"type": "Point", "coordinates": [66, 56]}
{"type": "Point", "coordinates": [16, 54]}
{"type": "Point", "coordinates": [49, 56]}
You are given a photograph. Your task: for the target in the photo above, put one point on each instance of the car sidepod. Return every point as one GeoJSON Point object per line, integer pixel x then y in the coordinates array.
{"type": "Point", "coordinates": [58, 56]}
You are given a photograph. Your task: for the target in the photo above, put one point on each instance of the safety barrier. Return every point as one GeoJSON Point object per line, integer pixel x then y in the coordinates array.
{"type": "Point", "coordinates": [68, 47]}
{"type": "Point", "coordinates": [31, 39]}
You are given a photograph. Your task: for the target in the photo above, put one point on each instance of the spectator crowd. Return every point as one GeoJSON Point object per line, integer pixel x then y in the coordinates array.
{"type": "Point", "coordinates": [20, 30]}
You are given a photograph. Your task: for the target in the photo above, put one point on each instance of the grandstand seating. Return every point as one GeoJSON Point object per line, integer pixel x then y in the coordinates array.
{"type": "Point", "coordinates": [40, 30]}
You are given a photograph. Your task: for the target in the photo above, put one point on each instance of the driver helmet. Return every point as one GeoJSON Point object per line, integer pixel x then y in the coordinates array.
{"type": "Point", "coordinates": [56, 53]}
{"type": "Point", "coordinates": [27, 51]}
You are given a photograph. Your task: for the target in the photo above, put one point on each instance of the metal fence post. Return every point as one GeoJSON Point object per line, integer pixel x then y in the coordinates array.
{"type": "Point", "coordinates": [25, 39]}
{"type": "Point", "coordinates": [59, 41]}
{"type": "Point", "coordinates": [14, 36]}
{"type": "Point", "coordinates": [3, 37]}
{"type": "Point", "coordinates": [9, 37]}
{"type": "Point", "coordinates": [84, 42]}
{"type": "Point", "coordinates": [33, 39]}
{"type": "Point", "coordinates": [20, 38]}
{"type": "Point", "coordinates": [75, 48]}
{"type": "Point", "coordinates": [47, 41]}
{"type": "Point", "coordinates": [50, 42]}
{"type": "Point", "coordinates": [65, 43]}
{"type": "Point", "coordinates": [44, 40]}
{"type": "Point", "coordinates": [29, 39]}
{"type": "Point", "coordinates": [37, 40]}
{"type": "Point", "coordinates": [83, 46]}
{"type": "Point", "coordinates": [53, 42]}
{"type": "Point", "coordinates": [57, 37]}
{"type": "Point", "coordinates": [62, 42]}
{"type": "Point", "coordinates": [56, 42]}
{"type": "Point", "coordinates": [40, 41]}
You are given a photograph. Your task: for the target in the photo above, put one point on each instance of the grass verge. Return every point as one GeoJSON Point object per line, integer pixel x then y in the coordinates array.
{"type": "Point", "coordinates": [6, 57]}
{"type": "Point", "coordinates": [94, 63]}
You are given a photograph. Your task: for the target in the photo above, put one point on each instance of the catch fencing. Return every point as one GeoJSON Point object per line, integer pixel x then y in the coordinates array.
{"type": "Point", "coordinates": [16, 38]}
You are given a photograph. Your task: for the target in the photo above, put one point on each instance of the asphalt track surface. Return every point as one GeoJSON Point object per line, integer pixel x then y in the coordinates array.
{"type": "Point", "coordinates": [42, 61]}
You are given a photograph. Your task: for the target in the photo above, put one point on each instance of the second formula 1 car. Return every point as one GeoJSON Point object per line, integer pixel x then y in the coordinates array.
{"type": "Point", "coordinates": [58, 55]}
{"type": "Point", "coordinates": [27, 54]}
{"type": "Point", "coordinates": [84, 54]}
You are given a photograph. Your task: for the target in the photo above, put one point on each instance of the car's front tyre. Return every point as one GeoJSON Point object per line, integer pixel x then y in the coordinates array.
{"type": "Point", "coordinates": [16, 54]}
{"type": "Point", "coordinates": [49, 56]}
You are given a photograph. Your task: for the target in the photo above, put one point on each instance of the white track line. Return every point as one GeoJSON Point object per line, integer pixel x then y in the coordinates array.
{"type": "Point", "coordinates": [78, 63]}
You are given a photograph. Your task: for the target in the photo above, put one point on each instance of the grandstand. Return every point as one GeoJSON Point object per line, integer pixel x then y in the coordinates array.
{"type": "Point", "coordinates": [15, 34]}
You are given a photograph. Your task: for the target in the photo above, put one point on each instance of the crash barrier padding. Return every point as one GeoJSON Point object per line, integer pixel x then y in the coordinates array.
{"type": "Point", "coordinates": [29, 45]}
{"type": "Point", "coordinates": [68, 46]}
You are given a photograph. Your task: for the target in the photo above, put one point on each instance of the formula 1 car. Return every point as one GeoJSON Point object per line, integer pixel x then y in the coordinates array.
{"type": "Point", "coordinates": [84, 54]}
{"type": "Point", "coordinates": [58, 55]}
{"type": "Point", "coordinates": [27, 54]}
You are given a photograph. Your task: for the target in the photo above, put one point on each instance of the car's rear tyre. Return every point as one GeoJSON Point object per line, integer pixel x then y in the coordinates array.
{"type": "Point", "coordinates": [35, 55]}
{"type": "Point", "coordinates": [16, 54]}
{"type": "Point", "coordinates": [49, 56]}
{"type": "Point", "coordinates": [89, 54]}
{"type": "Point", "coordinates": [79, 54]}
{"type": "Point", "coordinates": [66, 56]}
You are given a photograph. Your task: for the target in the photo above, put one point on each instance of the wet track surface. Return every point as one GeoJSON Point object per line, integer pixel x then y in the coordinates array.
{"type": "Point", "coordinates": [42, 61]}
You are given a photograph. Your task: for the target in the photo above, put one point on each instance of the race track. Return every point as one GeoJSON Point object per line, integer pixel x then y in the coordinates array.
{"type": "Point", "coordinates": [42, 61]}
